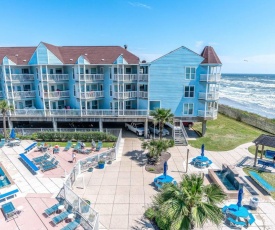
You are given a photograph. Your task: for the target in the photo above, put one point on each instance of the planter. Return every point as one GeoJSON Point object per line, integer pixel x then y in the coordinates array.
{"type": "Point", "coordinates": [101, 165]}
{"type": "Point", "coordinates": [90, 169]}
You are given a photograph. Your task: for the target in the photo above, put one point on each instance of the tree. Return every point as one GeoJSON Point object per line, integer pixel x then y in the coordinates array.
{"type": "Point", "coordinates": [186, 205]}
{"type": "Point", "coordinates": [156, 147]}
{"type": "Point", "coordinates": [162, 116]}
{"type": "Point", "coordinates": [5, 108]}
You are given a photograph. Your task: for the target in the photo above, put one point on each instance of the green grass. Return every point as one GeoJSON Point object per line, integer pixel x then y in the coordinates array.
{"type": "Point", "coordinates": [252, 149]}
{"type": "Point", "coordinates": [225, 134]}
{"type": "Point", "coordinates": [87, 144]}
{"type": "Point", "coordinates": [269, 177]}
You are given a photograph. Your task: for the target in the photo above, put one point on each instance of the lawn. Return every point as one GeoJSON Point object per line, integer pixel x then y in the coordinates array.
{"type": "Point", "coordinates": [225, 134]}
{"type": "Point", "coordinates": [269, 177]}
{"type": "Point", "coordinates": [252, 149]}
{"type": "Point", "coordinates": [87, 144]}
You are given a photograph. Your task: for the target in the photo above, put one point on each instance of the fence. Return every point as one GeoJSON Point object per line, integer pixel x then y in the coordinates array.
{"type": "Point", "coordinates": [90, 218]}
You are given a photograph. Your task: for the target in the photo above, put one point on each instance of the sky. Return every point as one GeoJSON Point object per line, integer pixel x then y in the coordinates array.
{"type": "Point", "coordinates": [242, 32]}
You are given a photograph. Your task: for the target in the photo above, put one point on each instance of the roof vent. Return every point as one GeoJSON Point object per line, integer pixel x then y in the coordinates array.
{"type": "Point", "coordinates": [16, 55]}
{"type": "Point", "coordinates": [86, 54]}
{"type": "Point", "coordinates": [143, 61]}
{"type": "Point", "coordinates": [71, 59]}
{"type": "Point", "coordinates": [24, 60]}
{"type": "Point", "coordinates": [125, 47]}
{"type": "Point", "coordinates": [102, 59]}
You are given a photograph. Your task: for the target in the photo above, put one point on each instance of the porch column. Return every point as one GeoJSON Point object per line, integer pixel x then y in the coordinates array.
{"type": "Point", "coordinates": [262, 151]}
{"type": "Point", "coordinates": [10, 123]}
{"type": "Point", "coordinates": [256, 155]}
{"type": "Point", "coordinates": [203, 128]}
{"type": "Point", "coordinates": [100, 125]}
{"type": "Point", "coordinates": [54, 125]}
{"type": "Point", "coordinates": [146, 128]}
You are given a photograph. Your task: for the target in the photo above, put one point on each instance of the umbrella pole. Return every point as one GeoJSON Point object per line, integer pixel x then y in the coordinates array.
{"type": "Point", "coordinates": [187, 160]}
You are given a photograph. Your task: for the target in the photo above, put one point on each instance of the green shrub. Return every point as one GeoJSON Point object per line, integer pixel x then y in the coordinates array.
{"type": "Point", "coordinates": [68, 136]}
{"type": "Point", "coordinates": [150, 213]}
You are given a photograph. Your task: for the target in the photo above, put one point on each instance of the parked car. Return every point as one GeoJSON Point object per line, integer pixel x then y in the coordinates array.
{"type": "Point", "coordinates": [155, 129]}
{"type": "Point", "coordinates": [188, 124]}
{"type": "Point", "coordinates": [137, 128]}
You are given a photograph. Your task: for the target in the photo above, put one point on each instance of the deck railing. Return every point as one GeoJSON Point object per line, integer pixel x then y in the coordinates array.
{"type": "Point", "coordinates": [143, 77]}
{"type": "Point", "coordinates": [91, 94]}
{"type": "Point", "coordinates": [143, 94]}
{"type": "Point", "coordinates": [89, 77]}
{"type": "Point", "coordinates": [125, 77]}
{"type": "Point", "coordinates": [55, 77]}
{"type": "Point", "coordinates": [20, 77]}
{"type": "Point", "coordinates": [208, 113]}
{"type": "Point", "coordinates": [210, 77]}
{"type": "Point", "coordinates": [21, 94]}
{"type": "Point", "coordinates": [209, 96]}
{"type": "Point", "coordinates": [57, 94]}
{"type": "Point", "coordinates": [125, 95]}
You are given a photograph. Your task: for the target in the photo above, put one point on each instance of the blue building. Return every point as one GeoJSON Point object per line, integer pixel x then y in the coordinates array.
{"type": "Point", "coordinates": [107, 84]}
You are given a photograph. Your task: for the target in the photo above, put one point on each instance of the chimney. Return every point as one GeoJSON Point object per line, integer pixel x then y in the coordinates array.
{"type": "Point", "coordinates": [125, 47]}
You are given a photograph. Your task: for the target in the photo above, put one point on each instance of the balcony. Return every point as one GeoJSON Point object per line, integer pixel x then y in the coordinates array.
{"type": "Point", "coordinates": [90, 95]}
{"type": "Point", "coordinates": [1, 94]}
{"type": "Point", "coordinates": [55, 77]}
{"type": "Point", "coordinates": [20, 77]}
{"type": "Point", "coordinates": [210, 78]}
{"type": "Point", "coordinates": [21, 94]}
{"type": "Point", "coordinates": [210, 114]}
{"type": "Point", "coordinates": [125, 77]}
{"type": "Point", "coordinates": [143, 77]}
{"type": "Point", "coordinates": [56, 94]}
{"type": "Point", "coordinates": [125, 95]}
{"type": "Point", "coordinates": [211, 96]}
{"type": "Point", "coordinates": [90, 77]}
{"type": "Point", "coordinates": [143, 94]}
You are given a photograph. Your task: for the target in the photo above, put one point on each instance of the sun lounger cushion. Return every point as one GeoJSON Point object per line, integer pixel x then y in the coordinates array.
{"type": "Point", "coordinates": [28, 163]}
{"type": "Point", "coordinates": [251, 219]}
{"type": "Point", "coordinates": [59, 218]}
{"type": "Point", "coordinates": [235, 222]}
{"type": "Point", "coordinates": [269, 154]}
{"type": "Point", "coordinates": [263, 183]}
{"type": "Point", "coordinates": [8, 210]}
{"type": "Point", "coordinates": [71, 226]}
{"type": "Point", "coordinates": [51, 210]}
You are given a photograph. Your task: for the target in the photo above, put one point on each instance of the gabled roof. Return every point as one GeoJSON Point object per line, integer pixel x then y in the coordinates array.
{"type": "Point", "coordinates": [266, 140]}
{"type": "Point", "coordinates": [210, 56]}
{"type": "Point", "coordinates": [17, 54]}
{"type": "Point", "coordinates": [93, 54]}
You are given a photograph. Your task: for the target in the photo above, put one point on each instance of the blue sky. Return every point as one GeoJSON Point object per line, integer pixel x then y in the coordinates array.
{"type": "Point", "coordinates": [237, 29]}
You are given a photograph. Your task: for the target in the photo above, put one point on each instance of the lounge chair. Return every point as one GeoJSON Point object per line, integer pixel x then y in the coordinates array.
{"type": "Point", "coordinates": [51, 210]}
{"type": "Point", "coordinates": [99, 146]}
{"type": "Point", "coordinates": [49, 166]}
{"type": "Point", "coordinates": [39, 160]}
{"type": "Point", "coordinates": [236, 223]}
{"type": "Point", "coordinates": [72, 225]}
{"type": "Point", "coordinates": [62, 216]}
{"type": "Point", "coordinates": [49, 162]}
{"type": "Point", "coordinates": [2, 144]}
{"type": "Point", "coordinates": [9, 210]}
{"type": "Point", "coordinates": [68, 146]}
{"type": "Point", "coordinates": [77, 147]}
{"type": "Point", "coordinates": [251, 219]}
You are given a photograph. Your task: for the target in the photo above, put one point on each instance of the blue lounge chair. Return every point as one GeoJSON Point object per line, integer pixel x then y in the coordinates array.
{"type": "Point", "coordinates": [49, 166]}
{"type": "Point", "coordinates": [72, 225]}
{"type": "Point", "coordinates": [51, 210]}
{"type": "Point", "coordinates": [251, 219]}
{"type": "Point", "coordinates": [62, 216]}
{"type": "Point", "coordinates": [236, 223]}
{"type": "Point", "coordinates": [77, 147]}
{"type": "Point", "coordinates": [9, 210]}
{"type": "Point", "coordinates": [224, 209]}
{"type": "Point", "coordinates": [68, 146]}
{"type": "Point", "coordinates": [269, 154]}
{"type": "Point", "coordinates": [39, 160]}
{"type": "Point", "coordinates": [99, 146]}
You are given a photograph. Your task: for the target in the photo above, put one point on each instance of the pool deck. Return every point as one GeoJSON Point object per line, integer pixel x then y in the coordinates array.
{"type": "Point", "coordinates": [122, 191]}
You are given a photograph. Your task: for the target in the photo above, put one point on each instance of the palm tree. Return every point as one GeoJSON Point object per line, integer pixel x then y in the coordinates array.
{"type": "Point", "coordinates": [5, 108]}
{"type": "Point", "coordinates": [156, 147]}
{"type": "Point", "coordinates": [162, 116]}
{"type": "Point", "coordinates": [188, 204]}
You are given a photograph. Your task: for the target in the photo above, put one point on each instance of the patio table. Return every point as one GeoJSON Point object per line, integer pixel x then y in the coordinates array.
{"type": "Point", "coordinates": [14, 142]}
{"type": "Point", "coordinates": [238, 211]}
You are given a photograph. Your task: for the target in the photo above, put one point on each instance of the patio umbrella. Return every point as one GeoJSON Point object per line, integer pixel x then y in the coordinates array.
{"type": "Point", "coordinates": [240, 197]}
{"type": "Point", "coordinates": [165, 167]}
{"type": "Point", "coordinates": [12, 134]}
{"type": "Point", "coordinates": [202, 150]}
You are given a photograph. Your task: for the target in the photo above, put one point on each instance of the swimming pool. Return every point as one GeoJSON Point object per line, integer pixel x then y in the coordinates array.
{"type": "Point", "coordinates": [4, 181]}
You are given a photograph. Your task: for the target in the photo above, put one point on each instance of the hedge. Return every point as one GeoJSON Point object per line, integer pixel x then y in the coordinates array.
{"type": "Point", "coordinates": [82, 136]}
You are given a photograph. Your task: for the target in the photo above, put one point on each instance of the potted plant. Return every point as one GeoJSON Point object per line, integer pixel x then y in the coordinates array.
{"type": "Point", "coordinates": [101, 164]}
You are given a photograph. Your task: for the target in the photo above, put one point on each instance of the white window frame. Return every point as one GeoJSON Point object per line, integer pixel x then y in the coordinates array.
{"type": "Point", "coordinates": [189, 77]}
{"type": "Point", "coordinates": [189, 91]}
{"type": "Point", "coordinates": [188, 104]}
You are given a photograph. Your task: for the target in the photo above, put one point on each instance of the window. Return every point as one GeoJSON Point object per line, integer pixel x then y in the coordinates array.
{"type": "Point", "coordinates": [94, 104]}
{"type": "Point", "coordinates": [25, 71]}
{"type": "Point", "coordinates": [189, 91]}
{"type": "Point", "coordinates": [128, 87]}
{"type": "Point", "coordinates": [188, 109]}
{"type": "Point", "coordinates": [27, 88]}
{"type": "Point", "coordinates": [101, 70]}
{"type": "Point", "coordinates": [128, 70]}
{"type": "Point", "coordinates": [111, 105]}
{"type": "Point", "coordinates": [111, 91]}
{"type": "Point", "coordinates": [93, 70]}
{"type": "Point", "coordinates": [127, 104]}
{"type": "Point", "coordinates": [28, 103]}
{"type": "Point", "coordinates": [47, 105]}
{"type": "Point", "coordinates": [190, 73]}
{"type": "Point", "coordinates": [58, 71]}
{"type": "Point", "coordinates": [51, 71]}
{"type": "Point", "coordinates": [86, 71]}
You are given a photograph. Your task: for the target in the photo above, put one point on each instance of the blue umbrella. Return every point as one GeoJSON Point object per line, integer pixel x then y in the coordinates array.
{"type": "Point", "coordinates": [202, 150]}
{"type": "Point", "coordinates": [240, 197]}
{"type": "Point", "coordinates": [165, 168]}
{"type": "Point", "coordinates": [12, 134]}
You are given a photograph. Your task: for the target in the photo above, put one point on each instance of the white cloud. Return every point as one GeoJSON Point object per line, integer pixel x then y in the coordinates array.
{"type": "Point", "coordinates": [139, 4]}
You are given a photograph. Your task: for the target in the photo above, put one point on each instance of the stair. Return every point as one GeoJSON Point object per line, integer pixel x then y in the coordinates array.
{"type": "Point", "coordinates": [180, 138]}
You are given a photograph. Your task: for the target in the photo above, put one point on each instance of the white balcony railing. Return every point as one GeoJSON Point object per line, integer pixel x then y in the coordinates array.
{"type": "Point", "coordinates": [208, 113]}
{"type": "Point", "coordinates": [20, 77]}
{"type": "Point", "coordinates": [143, 94]}
{"type": "Point", "coordinates": [143, 77]}
{"type": "Point", "coordinates": [210, 77]}
{"type": "Point", "coordinates": [77, 113]}
{"type": "Point", "coordinates": [125, 77]}
{"type": "Point", "coordinates": [55, 77]}
{"type": "Point", "coordinates": [21, 94]}
{"type": "Point", "coordinates": [56, 94]}
{"type": "Point", "coordinates": [90, 77]}
{"type": "Point", "coordinates": [90, 95]}
{"type": "Point", "coordinates": [125, 95]}
{"type": "Point", "coordinates": [211, 96]}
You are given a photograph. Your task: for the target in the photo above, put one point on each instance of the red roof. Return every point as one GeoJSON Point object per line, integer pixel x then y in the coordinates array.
{"type": "Point", "coordinates": [210, 56]}
{"type": "Point", "coordinates": [93, 54]}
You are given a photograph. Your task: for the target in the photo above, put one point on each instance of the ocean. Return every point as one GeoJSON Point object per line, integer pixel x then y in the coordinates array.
{"type": "Point", "coordinates": [250, 92]}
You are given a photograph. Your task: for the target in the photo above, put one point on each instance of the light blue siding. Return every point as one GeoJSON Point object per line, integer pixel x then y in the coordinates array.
{"type": "Point", "coordinates": [53, 59]}
{"type": "Point", "coordinates": [82, 60]}
{"type": "Point", "coordinates": [7, 61]}
{"type": "Point", "coordinates": [120, 60]}
{"type": "Point", "coordinates": [167, 80]}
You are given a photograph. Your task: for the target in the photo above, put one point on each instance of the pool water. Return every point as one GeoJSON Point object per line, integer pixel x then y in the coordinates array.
{"type": "Point", "coordinates": [223, 176]}
{"type": "Point", "coordinates": [4, 181]}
